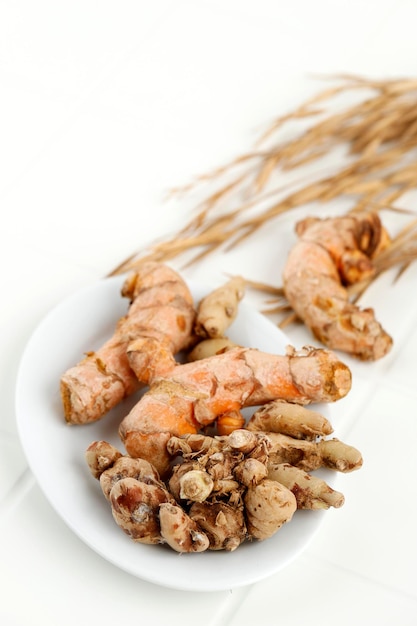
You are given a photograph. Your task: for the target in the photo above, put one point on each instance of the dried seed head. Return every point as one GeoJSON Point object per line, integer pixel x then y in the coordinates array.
{"type": "Point", "coordinates": [379, 133]}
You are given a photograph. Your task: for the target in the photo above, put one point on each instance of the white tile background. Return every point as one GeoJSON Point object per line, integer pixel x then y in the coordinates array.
{"type": "Point", "coordinates": [104, 107]}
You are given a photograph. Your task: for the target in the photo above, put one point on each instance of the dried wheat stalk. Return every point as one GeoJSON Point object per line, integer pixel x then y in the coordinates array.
{"type": "Point", "coordinates": [378, 138]}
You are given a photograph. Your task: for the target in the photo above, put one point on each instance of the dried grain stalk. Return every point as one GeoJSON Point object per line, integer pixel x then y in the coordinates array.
{"type": "Point", "coordinates": [372, 141]}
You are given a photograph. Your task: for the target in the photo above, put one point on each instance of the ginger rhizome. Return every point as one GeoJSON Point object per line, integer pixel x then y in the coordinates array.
{"type": "Point", "coordinates": [215, 314]}
{"type": "Point", "coordinates": [219, 308]}
{"type": "Point", "coordinates": [220, 490]}
{"type": "Point", "coordinates": [310, 491]}
{"type": "Point", "coordinates": [330, 255]}
{"type": "Point", "coordinates": [193, 395]}
{"type": "Point", "coordinates": [159, 323]}
{"type": "Point", "coordinates": [290, 419]}
{"type": "Point", "coordinates": [210, 347]}
{"type": "Point", "coordinates": [297, 436]}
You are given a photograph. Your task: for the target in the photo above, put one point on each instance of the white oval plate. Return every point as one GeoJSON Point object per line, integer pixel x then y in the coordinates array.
{"type": "Point", "coordinates": [55, 451]}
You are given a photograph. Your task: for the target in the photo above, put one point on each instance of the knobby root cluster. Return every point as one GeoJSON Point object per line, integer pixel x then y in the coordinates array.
{"type": "Point", "coordinates": [196, 475]}
{"type": "Point", "coordinates": [224, 490]}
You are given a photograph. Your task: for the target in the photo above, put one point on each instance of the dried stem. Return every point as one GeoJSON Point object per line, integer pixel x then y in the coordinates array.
{"type": "Point", "coordinates": [374, 145]}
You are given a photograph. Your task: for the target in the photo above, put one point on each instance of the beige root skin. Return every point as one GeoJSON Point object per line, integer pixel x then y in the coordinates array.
{"type": "Point", "coordinates": [310, 455]}
{"type": "Point", "coordinates": [179, 531]}
{"type": "Point", "coordinates": [210, 347]}
{"type": "Point", "coordinates": [135, 508]}
{"type": "Point", "coordinates": [250, 472]}
{"type": "Point", "coordinates": [190, 444]}
{"type": "Point", "coordinates": [193, 395]}
{"type": "Point", "coordinates": [243, 501]}
{"type": "Point", "coordinates": [290, 419]}
{"type": "Point", "coordinates": [223, 524]}
{"type": "Point", "coordinates": [339, 456]}
{"type": "Point", "coordinates": [189, 483]}
{"type": "Point", "coordinates": [255, 445]}
{"type": "Point", "coordinates": [242, 455]}
{"type": "Point", "coordinates": [140, 503]}
{"type": "Point", "coordinates": [196, 485]}
{"type": "Point", "coordinates": [242, 440]}
{"type": "Point", "coordinates": [126, 467]}
{"type": "Point", "coordinates": [100, 456]}
{"type": "Point", "coordinates": [268, 505]}
{"type": "Point", "coordinates": [160, 317]}
{"type": "Point", "coordinates": [310, 491]}
{"type": "Point", "coordinates": [329, 255]}
{"type": "Point", "coordinates": [221, 490]}
{"type": "Point", "coordinates": [219, 308]}
{"type": "Point", "coordinates": [174, 481]}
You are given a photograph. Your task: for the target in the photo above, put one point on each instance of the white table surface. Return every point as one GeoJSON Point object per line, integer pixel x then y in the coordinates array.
{"type": "Point", "coordinates": [104, 107]}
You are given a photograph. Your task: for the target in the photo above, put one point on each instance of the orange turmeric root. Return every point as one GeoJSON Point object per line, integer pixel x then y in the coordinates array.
{"type": "Point", "coordinates": [195, 394]}
{"type": "Point", "coordinates": [330, 255]}
{"type": "Point", "coordinates": [229, 422]}
{"type": "Point", "coordinates": [158, 324]}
